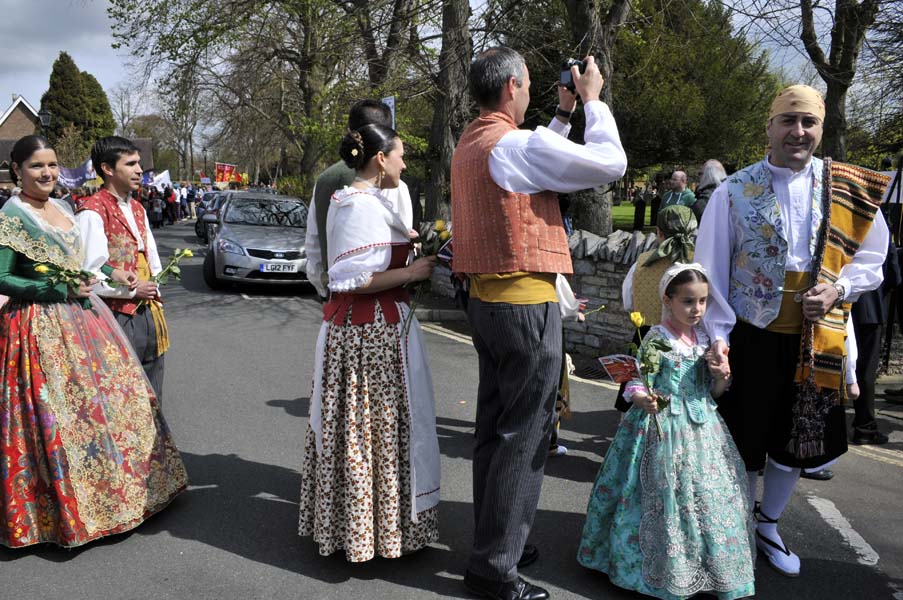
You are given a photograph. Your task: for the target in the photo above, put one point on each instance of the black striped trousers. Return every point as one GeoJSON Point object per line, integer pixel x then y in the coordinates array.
{"type": "Point", "coordinates": [519, 348]}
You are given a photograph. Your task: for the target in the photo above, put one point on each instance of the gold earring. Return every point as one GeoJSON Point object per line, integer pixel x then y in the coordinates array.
{"type": "Point", "coordinates": [379, 181]}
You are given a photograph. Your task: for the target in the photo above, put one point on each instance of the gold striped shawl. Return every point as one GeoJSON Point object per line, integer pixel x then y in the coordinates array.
{"type": "Point", "coordinates": [855, 197]}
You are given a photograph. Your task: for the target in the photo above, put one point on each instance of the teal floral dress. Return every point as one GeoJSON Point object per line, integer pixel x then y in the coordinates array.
{"type": "Point", "coordinates": [670, 517]}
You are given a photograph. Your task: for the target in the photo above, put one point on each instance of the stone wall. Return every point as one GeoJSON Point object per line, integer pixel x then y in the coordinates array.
{"type": "Point", "coordinates": [600, 265]}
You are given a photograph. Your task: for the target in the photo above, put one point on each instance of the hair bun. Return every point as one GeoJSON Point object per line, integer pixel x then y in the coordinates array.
{"type": "Point", "coordinates": [352, 150]}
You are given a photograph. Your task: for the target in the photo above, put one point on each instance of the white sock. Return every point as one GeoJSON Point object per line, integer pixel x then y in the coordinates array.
{"type": "Point", "coordinates": [753, 477]}
{"type": "Point", "coordinates": [776, 494]}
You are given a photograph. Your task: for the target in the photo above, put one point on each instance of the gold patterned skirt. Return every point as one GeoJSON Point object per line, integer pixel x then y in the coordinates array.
{"type": "Point", "coordinates": [85, 450]}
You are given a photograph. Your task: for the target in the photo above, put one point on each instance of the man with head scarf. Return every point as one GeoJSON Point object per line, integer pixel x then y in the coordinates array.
{"type": "Point", "coordinates": [790, 241]}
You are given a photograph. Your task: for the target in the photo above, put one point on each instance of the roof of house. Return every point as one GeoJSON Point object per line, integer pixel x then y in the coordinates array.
{"type": "Point", "coordinates": [19, 100]}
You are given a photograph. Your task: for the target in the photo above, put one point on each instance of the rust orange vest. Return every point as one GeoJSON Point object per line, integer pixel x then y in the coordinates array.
{"type": "Point", "coordinates": [121, 243]}
{"type": "Point", "coordinates": [497, 231]}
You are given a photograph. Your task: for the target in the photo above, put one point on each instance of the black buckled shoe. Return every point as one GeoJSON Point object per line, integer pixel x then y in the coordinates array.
{"type": "Point", "coordinates": [820, 475]}
{"type": "Point", "coordinates": [528, 557]}
{"type": "Point", "coordinates": [503, 590]}
{"type": "Point", "coordinates": [869, 436]}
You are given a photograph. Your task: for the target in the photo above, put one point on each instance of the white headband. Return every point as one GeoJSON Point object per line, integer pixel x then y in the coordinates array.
{"type": "Point", "coordinates": [674, 270]}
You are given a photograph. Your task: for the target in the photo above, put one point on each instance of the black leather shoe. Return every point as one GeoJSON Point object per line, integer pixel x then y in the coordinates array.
{"type": "Point", "coordinates": [503, 590]}
{"type": "Point", "coordinates": [820, 475]}
{"type": "Point", "coordinates": [529, 556]}
{"type": "Point", "coordinates": [862, 437]}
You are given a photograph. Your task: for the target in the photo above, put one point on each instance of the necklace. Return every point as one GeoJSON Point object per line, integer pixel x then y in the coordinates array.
{"type": "Point", "coordinates": [689, 340]}
{"type": "Point", "coordinates": [367, 181]}
{"type": "Point", "coordinates": [36, 199]}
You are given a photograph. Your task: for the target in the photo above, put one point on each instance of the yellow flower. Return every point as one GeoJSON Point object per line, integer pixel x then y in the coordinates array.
{"type": "Point", "coordinates": [42, 269]}
{"type": "Point", "coordinates": [767, 231]}
{"type": "Point", "coordinates": [637, 319]}
{"type": "Point", "coordinates": [439, 226]}
{"type": "Point", "coordinates": [189, 253]}
{"type": "Point", "coordinates": [444, 235]}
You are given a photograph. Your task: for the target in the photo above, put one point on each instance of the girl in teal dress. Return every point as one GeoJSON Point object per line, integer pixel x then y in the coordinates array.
{"type": "Point", "coordinates": [669, 515]}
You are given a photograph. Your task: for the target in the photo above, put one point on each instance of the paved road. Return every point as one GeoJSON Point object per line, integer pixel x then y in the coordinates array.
{"type": "Point", "coordinates": [237, 387]}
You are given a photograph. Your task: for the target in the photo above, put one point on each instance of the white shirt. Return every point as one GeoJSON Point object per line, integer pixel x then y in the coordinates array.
{"type": "Point", "coordinates": [529, 162]}
{"type": "Point", "coordinates": [400, 198]}
{"type": "Point", "coordinates": [97, 250]}
{"type": "Point", "coordinates": [183, 192]}
{"type": "Point", "coordinates": [714, 249]}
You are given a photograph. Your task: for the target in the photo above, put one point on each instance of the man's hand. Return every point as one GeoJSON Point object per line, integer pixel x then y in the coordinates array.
{"type": "Point", "coordinates": [127, 278]}
{"type": "Point", "coordinates": [818, 301]}
{"type": "Point", "coordinates": [567, 99]}
{"type": "Point", "coordinates": [588, 84]}
{"type": "Point", "coordinates": [146, 290]}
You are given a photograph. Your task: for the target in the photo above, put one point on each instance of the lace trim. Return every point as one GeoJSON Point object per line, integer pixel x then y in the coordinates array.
{"type": "Point", "coordinates": [14, 235]}
{"type": "Point", "coordinates": [347, 285]}
{"type": "Point", "coordinates": [673, 558]}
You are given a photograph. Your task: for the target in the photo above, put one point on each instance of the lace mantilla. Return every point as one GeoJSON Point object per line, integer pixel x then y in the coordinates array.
{"type": "Point", "coordinates": [14, 235]}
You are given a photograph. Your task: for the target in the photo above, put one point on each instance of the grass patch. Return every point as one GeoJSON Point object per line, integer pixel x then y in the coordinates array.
{"type": "Point", "coordinates": [622, 216]}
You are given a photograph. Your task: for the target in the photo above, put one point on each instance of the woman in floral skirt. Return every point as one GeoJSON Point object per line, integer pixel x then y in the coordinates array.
{"type": "Point", "coordinates": [370, 479]}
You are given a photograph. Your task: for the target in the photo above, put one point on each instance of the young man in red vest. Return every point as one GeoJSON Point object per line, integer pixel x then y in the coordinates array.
{"type": "Point", "coordinates": [510, 241]}
{"type": "Point", "coordinates": [115, 231]}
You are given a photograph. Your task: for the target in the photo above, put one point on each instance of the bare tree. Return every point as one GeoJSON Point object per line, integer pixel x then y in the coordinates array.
{"type": "Point", "coordinates": [452, 103]}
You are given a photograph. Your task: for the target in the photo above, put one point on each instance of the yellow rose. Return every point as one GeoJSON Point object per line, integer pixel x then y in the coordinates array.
{"type": "Point", "coordinates": [439, 226]}
{"type": "Point", "coordinates": [444, 235]}
{"type": "Point", "coordinates": [189, 253]}
{"type": "Point", "coordinates": [637, 319]}
{"type": "Point", "coordinates": [42, 269]}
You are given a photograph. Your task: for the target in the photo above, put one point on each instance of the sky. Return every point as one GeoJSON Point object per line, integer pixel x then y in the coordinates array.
{"type": "Point", "coordinates": [32, 34]}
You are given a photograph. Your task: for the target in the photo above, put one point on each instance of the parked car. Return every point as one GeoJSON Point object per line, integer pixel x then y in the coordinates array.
{"type": "Point", "coordinates": [259, 238]}
{"type": "Point", "coordinates": [212, 207]}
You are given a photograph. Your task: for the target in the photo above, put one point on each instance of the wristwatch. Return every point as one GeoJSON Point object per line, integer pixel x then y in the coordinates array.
{"type": "Point", "coordinates": [563, 113]}
{"type": "Point", "coordinates": [841, 294]}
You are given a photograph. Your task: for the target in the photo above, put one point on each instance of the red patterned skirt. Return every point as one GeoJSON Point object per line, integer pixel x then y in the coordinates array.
{"type": "Point", "coordinates": [86, 452]}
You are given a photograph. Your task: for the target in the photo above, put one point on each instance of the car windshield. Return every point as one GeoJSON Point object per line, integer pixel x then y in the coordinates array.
{"type": "Point", "coordinates": [288, 212]}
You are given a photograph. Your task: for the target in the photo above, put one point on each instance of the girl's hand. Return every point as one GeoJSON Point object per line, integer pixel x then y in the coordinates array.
{"type": "Point", "coordinates": [720, 369]}
{"type": "Point", "coordinates": [646, 402]}
{"type": "Point", "coordinates": [422, 268]}
{"type": "Point", "coordinates": [123, 277]}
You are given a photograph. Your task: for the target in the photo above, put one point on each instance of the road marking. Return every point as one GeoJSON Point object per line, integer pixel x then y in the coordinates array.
{"type": "Point", "coordinates": [876, 456]}
{"type": "Point", "coordinates": [866, 555]}
{"type": "Point", "coordinates": [453, 335]}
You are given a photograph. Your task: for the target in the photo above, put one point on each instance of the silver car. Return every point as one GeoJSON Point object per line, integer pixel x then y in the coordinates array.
{"type": "Point", "coordinates": [259, 239]}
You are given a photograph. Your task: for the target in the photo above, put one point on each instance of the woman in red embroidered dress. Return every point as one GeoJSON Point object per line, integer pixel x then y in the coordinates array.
{"type": "Point", "coordinates": [370, 479]}
{"type": "Point", "coordinates": [85, 451]}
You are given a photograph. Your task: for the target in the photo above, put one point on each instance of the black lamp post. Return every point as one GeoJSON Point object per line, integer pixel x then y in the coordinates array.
{"type": "Point", "coordinates": [45, 115]}
{"type": "Point", "coordinates": [204, 150]}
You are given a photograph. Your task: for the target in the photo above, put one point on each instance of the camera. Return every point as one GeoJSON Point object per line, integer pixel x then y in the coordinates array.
{"type": "Point", "coordinates": [566, 79]}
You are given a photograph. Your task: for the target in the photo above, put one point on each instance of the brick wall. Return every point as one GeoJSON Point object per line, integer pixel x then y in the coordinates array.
{"type": "Point", "coordinates": [18, 124]}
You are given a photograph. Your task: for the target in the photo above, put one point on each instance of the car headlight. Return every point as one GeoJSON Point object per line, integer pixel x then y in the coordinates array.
{"type": "Point", "coordinates": [224, 245]}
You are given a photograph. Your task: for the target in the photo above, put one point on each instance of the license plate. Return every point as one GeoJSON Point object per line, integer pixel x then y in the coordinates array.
{"type": "Point", "coordinates": [278, 268]}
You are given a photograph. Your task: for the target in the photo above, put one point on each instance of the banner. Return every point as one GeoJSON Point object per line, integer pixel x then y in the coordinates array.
{"type": "Point", "coordinates": [77, 177]}
{"type": "Point", "coordinates": [225, 172]}
{"type": "Point", "coordinates": [162, 180]}
{"type": "Point", "coordinates": [390, 102]}
{"type": "Point", "coordinates": [147, 178]}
